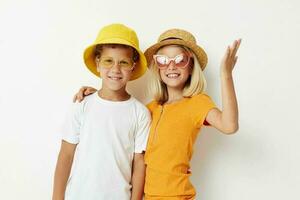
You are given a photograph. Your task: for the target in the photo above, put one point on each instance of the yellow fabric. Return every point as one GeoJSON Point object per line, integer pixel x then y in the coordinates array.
{"type": "Point", "coordinates": [173, 132]}
{"type": "Point", "coordinates": [148, 197]}
{"type": "Point", "coordinates": [116, 34]}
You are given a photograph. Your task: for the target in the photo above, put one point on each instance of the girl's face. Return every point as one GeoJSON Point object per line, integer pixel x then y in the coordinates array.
{"type": "Point", "coordinates": [175, 75]}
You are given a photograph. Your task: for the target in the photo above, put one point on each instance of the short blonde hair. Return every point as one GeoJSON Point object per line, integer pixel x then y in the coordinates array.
{"type": "Point", "coordinates": [194, 85]}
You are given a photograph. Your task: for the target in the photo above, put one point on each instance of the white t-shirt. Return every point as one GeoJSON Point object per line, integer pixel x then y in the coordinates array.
{"type": "Point", "coordinates": [108, 133]}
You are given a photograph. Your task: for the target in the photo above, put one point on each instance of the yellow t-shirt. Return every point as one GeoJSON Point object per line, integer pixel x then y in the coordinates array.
{"type": "Point", "coordinates": [170, 145]}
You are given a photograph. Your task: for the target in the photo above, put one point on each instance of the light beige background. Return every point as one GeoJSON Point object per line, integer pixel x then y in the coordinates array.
{"type": "Point", "coordinates": [41, 67]}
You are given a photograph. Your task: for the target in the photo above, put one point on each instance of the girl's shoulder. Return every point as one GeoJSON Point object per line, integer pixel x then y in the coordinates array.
{"type": "Point", "coordinates": [201, 99]}
{"type": "Point", "coordinates": [152, 105]}
{"type": "Point", "coordinates": [200, 96]}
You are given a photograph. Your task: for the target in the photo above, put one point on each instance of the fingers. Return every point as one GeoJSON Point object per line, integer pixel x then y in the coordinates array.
{"type": "Point", "coordinates": [89, 90]}
{"type": "Point", "coordinates": [228, 50]}
{"type": "Point", "coordinates": [235, 60]}
{"type": "Point", "coordinates": [77, 98]}
{"type": "Point", "coordinates": [235, 46]}
{"type": "Point", "coordinates": [74, 98]}
{"type": "Point", "coordinates": [79, 95]}
{"type": "Point", "coordinates": [227, 53]}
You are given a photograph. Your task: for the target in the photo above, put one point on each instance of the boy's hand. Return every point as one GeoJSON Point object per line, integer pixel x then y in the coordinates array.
{"type": "Point", "coordinates": [229, 59]}
{"type": "Point", "coordinates": [84, 91]}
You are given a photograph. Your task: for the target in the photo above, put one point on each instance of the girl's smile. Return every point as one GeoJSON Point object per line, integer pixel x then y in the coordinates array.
{"type": "Point", "coordinates": [173, 75]}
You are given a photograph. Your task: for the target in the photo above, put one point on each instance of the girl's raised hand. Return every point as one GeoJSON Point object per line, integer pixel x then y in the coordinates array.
{"type": "Point", "coordinates": [84, 91]}
{"type": "Point", "coordinates": [230, 58]}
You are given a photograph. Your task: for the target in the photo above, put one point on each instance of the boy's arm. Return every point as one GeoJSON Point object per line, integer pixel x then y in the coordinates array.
{"type": "Point", "coordinates": [138, 177]}
{"type": "Point", "coordinates": [63, 168]}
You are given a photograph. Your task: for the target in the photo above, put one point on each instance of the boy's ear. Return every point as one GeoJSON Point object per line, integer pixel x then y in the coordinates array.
{"type": "Point", "coordinates": [134, 65]}
{"type": "Point", "coordinates": [97, 60]}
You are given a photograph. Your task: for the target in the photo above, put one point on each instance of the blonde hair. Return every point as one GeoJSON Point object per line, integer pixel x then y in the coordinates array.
{"type": "Point", "coordinates": [194, 85]}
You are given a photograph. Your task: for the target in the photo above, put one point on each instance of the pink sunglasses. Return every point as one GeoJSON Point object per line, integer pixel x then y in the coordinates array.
{"type": "Point", "coordinates": [180, 61]}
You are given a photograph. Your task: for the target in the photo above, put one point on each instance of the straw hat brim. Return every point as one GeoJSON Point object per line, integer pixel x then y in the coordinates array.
{"type": "Point", "coordinates": [89, 57]}
{"type": "Point", "coordinates": [197, 50]}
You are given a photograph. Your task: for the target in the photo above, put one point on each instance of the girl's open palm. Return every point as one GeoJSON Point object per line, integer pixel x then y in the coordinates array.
{"type": "Point", "coordinates": [230, 58]}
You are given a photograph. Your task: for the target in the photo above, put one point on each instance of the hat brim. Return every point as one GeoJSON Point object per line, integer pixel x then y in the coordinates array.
{"type": "Point", "coordinates": [89, 57]}
{"type": "Point", "coordinates": [198, 51]}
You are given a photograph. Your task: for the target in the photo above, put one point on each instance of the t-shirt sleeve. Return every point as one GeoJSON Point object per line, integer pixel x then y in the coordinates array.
{"type": "Point", "coordinates": [71, 126]}
{"type": "Point", "coordinates": [203, 105]}
{"type": "Point", "coordinates": [143, 127]}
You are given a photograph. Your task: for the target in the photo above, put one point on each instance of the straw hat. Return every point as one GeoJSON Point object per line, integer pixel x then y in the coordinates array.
{"type": "Point", "coordinates": [178, 37]}
{"type": "Point", "coordinates": [116, 34]}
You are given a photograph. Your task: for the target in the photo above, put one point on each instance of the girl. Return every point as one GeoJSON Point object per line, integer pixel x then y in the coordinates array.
{"type": "Point", "coordinates": [179, 109]}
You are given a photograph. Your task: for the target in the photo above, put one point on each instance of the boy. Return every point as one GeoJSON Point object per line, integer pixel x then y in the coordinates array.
{"type": "Point", "coordinates": [107, 132]}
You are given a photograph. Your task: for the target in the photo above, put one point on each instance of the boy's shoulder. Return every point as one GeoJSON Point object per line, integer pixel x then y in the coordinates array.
{"type": "Point", "coordinates": [80, 106]}
{"type": "Point", "coordinates": [139, 105]}
{"type": "Point", "coordinates": [86, 100]}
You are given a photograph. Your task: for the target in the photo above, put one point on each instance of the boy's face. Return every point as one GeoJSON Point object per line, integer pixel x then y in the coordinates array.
{"type": "Point", "coordinates": [115, 66]}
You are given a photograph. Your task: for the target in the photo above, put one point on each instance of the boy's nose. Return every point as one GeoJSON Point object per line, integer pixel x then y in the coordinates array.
{"type": "Point", "coordinates": [116, 67]}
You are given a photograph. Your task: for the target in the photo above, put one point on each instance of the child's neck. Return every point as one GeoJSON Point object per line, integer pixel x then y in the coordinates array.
{"type": "Point", "coordinates": [174, 95]}
{"type": "Point", "coordinates": [111, 95]}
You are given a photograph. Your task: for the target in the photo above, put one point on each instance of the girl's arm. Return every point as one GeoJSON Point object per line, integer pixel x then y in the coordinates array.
{"type": "Point", "coordinates": [84, 91]}
{"type": "Point", "coordinates": [63, 168]}
{"type": "Point", "coordinates": [138, 177]}
{"type": "Point", "coordinates": [226, 120]}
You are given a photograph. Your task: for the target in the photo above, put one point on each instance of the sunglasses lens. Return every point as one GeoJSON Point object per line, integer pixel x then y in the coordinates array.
{"type": "Point", "coordinates": [126, 64]}
{"type": "Point", "coordinates": [106, 62]}
{"type": "Point", "coordinates": [162, 61]}
{"type": "Point", "coordinates": [181, 60]}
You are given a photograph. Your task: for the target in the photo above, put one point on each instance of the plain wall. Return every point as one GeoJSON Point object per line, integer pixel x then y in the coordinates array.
{"type": "Point", "coordinates": [41, 45]}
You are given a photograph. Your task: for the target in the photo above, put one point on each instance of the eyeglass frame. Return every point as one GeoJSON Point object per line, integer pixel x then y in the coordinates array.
{"type": "Point", "coordinates": [170, 60]}
{"type": "Point", "coordinates": [114, 63]}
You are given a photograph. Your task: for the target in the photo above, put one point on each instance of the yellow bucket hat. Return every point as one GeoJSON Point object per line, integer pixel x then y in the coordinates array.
{"type": "Point", "coordinates": [116, 34]}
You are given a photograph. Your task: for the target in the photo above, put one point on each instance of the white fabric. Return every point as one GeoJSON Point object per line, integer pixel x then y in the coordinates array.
{"type": "Point", "coordinates": [108, 133]}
